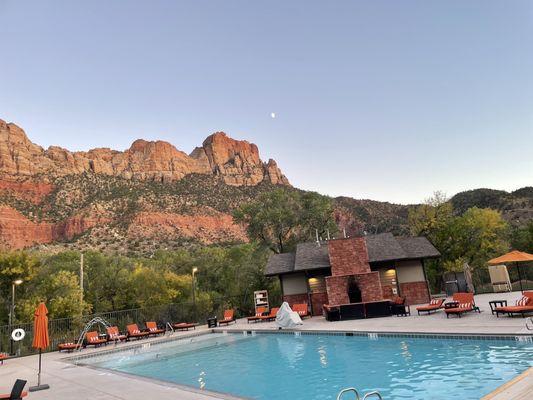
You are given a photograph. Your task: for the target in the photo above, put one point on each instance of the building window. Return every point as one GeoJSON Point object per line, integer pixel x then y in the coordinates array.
{"type": "Point", "coordinates": [389, 280]}
{"type": "Point", "coordinates": [317, 284]}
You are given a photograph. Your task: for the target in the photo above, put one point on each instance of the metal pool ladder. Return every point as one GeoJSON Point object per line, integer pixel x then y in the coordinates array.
{"type": "Point", "coordinates": [354, 390]}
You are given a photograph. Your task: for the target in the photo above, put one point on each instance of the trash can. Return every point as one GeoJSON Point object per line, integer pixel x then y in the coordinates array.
{"type": "Point", "coordinates": [212, 322]}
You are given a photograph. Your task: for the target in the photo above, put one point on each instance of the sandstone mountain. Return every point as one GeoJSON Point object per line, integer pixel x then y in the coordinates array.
{"type": "Point", "coordinates": [153, 196]}
{"type": "Point", "coordinates": [236, 162]}
{"type": "Point", "coordinates": [149, 196]}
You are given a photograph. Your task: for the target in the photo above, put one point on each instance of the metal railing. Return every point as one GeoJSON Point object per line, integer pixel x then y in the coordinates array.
{"type": "Point", "coordinates": [68, 329]}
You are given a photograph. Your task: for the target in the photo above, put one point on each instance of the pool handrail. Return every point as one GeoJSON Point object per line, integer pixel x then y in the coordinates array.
{"type": "Point", "coordinates": [350, 389]}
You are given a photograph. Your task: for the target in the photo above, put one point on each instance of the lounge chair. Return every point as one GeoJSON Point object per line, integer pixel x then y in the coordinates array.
{"type": "Point", "coordinates": [433, 306]}
{"type": "Point", "coordinates": [17, 392]}
{"type": "Point", "coordinates": [68, 347]}
{"type": "Point", "coordinates": [399, 308]}
{"type": "Point", "coordinates": [523, 306]}
{"type": "Point", "coordinates": [184, 326]}
{"type": "Point", "coordinates": [464, 298]}
{"type": "Point", "coordinates": [152, 328]}
{"type": "Point", "coordinates": [258, 313]}
{"type": "Point", "coordinates": [229, 317]}
{"type": "Point", "coordinates": [135, 333]}
{"type": "Point", "coordinates": [113, 335]}
{"type": "Point", "coordinates": [301, 309]}
{"type": "Point", "coordinates": [93, 339]}
{"type": "Point", "coordinates": [3, 356]}
{"type": "Point", "coordinates": [459, 310]}
{"type": "Point", "coordinates": [271, 316]}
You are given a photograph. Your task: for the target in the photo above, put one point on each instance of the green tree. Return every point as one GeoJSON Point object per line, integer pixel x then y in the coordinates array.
{"type": "Point", "coordinates": [473, 238]}
{"type": "Point", "coordinates": [478, 235]}
{"type": "Point", "coordinates": [15, 265]}
{"type": "Point", "coordinates": [522, 238]}
{"type": "Point", "coordinates": [281, 218]}
{"type": "Point", "coordinates": [60, 291]}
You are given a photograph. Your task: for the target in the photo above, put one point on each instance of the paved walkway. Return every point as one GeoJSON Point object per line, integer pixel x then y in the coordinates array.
{"type": "Point", "coordinates": [470, 323]}
{"type": "Point", "coordinates": [73, 382]}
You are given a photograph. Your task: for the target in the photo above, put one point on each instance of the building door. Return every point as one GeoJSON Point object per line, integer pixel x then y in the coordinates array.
{"type": "Point", "coordinates": [317, 293]}
{"type": "Point", "coordinates": [389, 282]}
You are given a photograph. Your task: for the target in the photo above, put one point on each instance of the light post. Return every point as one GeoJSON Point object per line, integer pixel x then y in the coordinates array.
{"type": "Point", "coordinates": [194, 271]}
{"type": "Point", "coordinates": [12, 312]}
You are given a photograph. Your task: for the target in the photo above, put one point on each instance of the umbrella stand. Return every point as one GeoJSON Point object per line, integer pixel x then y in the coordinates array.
{"type": "Point", "coordinates": [39, 386]}
{"type": "Point", "coordinates": [519, 277]}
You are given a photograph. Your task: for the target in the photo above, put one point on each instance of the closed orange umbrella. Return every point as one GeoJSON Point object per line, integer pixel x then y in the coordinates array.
{"type": "Point", "coordinates": [41, 340]}
{"type": "Point", "coordinates": [516, 257]}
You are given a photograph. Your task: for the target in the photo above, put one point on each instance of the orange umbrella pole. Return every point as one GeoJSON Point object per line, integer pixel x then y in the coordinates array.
{"type": "Point", "coordinates": [41, 341]}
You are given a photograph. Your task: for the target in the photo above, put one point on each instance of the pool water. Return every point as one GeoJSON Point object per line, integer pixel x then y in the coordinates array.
{"type": "Point", "coordinates": [285, 366]}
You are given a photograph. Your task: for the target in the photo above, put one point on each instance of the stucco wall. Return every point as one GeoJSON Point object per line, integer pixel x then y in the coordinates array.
{"type": "Point", "coordinates": [409, 271]}
{"type": "Point", "coordinates": [294, 284]}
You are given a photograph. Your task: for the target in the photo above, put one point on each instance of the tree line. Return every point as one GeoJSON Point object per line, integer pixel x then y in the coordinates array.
{"type": "Point", "coordinates": [276, 221]}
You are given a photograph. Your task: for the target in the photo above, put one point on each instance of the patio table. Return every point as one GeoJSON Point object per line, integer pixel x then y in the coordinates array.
{"type": "Point", "coordinates": [496, 303]}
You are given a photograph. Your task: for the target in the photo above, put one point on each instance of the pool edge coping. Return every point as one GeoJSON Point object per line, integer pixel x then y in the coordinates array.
{"type": "Point", "coordinates": [509, 385]}
{"type": "Point", "coordinates": [368, 333]}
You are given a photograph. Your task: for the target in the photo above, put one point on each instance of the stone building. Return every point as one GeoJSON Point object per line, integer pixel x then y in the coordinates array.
{"type": "Point", "coordinates": [352, 270]}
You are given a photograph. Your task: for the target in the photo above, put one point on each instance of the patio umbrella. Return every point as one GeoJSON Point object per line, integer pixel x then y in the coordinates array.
{"type": "Point", "coordinates": [515, 256]}
{"type": "Point", "coordinates": [41, 340]}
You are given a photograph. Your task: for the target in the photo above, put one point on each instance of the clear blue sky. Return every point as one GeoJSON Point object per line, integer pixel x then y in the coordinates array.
{"type": "Point", "coordinates": [388, 100]}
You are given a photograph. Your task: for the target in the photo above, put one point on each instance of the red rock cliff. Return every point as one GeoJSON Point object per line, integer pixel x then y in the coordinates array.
{"type": "Point", "coordinates": [236, 162]}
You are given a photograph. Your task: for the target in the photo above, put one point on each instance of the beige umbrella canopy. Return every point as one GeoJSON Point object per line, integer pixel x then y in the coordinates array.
{"type": "Point", "coordinates": [516, 257]}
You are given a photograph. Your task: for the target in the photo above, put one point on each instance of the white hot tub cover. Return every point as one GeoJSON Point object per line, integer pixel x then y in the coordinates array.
{"type": "Point", "coordinates": [286, 318]}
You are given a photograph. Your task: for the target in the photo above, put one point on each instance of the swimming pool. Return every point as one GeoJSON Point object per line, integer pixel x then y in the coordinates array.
{"type": "Point", "coordinates": [318, 366]}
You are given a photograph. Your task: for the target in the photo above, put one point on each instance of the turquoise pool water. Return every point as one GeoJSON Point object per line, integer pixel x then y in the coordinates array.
{"type": "Point", "coordinates": [281, 366]}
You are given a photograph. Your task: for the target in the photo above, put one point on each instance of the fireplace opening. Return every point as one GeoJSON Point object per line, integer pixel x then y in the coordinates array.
{"type": "Point", "coordinates": [354, 293]}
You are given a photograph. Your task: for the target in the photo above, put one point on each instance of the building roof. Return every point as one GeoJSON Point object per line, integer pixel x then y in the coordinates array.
{"type": "Point", "coordinates": [418, 247]}
{"type": "Point", "coordinates": [382, 247]}
{"type": "Point", "coordinates": [280, 264]}
{"type": "Point", "coordinates": [311, 256]}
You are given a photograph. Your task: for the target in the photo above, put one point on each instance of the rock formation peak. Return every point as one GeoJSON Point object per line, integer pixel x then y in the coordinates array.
{"type": "Point", "coordinates": [237, 162]}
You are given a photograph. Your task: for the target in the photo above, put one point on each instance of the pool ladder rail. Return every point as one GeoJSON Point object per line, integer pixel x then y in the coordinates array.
{"type": "Point", "coordinates": [368, 395]}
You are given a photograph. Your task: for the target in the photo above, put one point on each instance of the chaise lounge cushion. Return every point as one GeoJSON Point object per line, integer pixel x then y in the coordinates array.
{"type": "Point", "coordinates": [461, 308]}
{"type": "Point", "coordinates": [434, 304]}
{"type": "Point", "coordinates": [523, 305]}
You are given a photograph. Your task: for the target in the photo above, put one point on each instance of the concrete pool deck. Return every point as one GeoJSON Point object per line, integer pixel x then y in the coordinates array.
{"type": "Point", "coordinates": [68, 381]}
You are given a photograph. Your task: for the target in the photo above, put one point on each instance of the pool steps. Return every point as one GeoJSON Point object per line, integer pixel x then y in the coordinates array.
{"type": "Point", "coordinates": [374, 393]}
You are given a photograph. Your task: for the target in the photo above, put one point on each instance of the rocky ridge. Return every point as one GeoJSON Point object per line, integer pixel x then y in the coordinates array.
{"type": "Point", "coordinates": [237, 162]}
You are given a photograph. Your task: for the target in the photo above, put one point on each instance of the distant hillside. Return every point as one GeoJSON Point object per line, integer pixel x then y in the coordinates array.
{"type": "Point", "coordinates": [153, 196]}
{"type": "Point", "coordinates": [516, 207]}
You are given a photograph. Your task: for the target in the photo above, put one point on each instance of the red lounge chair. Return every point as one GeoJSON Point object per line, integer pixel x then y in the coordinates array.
{"type": "Point", "coordinates": [152, 328]}
{"type": "Point", "coordinates": [113, 335]}
{"type": "Point", "coordinates": [92, 339]}
{"type": "Point", "coordinates": [523, 306]}
{"type": "Point", "coordinates": [257, 316]}
{"type": "Point", "coordinates": [459, 310]}
{"type": "Point", "coordinates": [271, 316]}
{"type": "Point", "coordinates": [68, 347]}
{"type": "Point", "coordinates": [17, 392]}
{"type": "Point", "coordinates": [301, 309]}
{"type": "Point", "coordinates": [184, 326]}
{"type": "Point", "coordinates": [229, 316]}
{"type": "Point", "coordinates": [135, 332]}
{"type": "Point", "coordinates": [3, 356]}
{"type": "Point", "coordinates": [434, 305]}
{"type": "Point", "coordinates": [464, 298]}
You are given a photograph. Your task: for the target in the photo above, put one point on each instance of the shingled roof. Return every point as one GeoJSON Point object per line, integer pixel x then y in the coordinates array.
{"type": "Point", "coordinates": [381, 247]}
{"type": "Point", "coordinates": [311, 256]}
{"type": "Point", "coordinates": [280, 264]}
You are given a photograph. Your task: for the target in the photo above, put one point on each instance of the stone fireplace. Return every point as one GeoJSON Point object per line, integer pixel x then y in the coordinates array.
{"type": "Point", "coordinates": [351, 277]}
